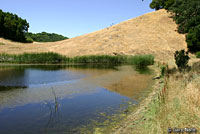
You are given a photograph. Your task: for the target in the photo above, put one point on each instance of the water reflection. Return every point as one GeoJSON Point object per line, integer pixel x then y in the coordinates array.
{"type": "Point", "coordinates": [58, 99]}
{"type": "Point", "coordinates": [143, 70]}
{"type": "Point", "coordinates": [11, 78]}
{"type": "Point", "coordinates": [132, 85]}
{"type": "Point", "coordinates": [27, 76]}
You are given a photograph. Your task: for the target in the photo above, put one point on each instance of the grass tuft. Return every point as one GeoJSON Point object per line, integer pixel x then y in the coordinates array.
{"type": "Point", "coordinates": [2, 44]}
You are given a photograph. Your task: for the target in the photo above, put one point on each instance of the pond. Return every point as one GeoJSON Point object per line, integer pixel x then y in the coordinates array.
{"type": "Point", "coordinates": [61, 98]}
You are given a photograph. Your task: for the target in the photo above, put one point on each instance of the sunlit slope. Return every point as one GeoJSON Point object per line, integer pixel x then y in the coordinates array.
{"type": "Point", "coordinates": [152, 33]}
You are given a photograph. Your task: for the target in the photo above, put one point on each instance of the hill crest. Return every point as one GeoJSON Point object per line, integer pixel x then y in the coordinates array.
{"type": "Point", "coordinates": [152, 33]}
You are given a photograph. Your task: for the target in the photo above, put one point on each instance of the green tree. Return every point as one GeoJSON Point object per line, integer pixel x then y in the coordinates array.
{"type": "Point", "coordinates": [193, 39]}
{"type": "Point", "coordinates": [1, 22]}
{"type": "Point", "coordinates": [13, 27]}
{"type": "Point", "coordinates": [159, 4]}
{"type": "Point", "coordinates": [186, 14]}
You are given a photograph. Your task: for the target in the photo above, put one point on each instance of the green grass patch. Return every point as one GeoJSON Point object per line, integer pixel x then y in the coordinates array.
{"type": "Point", "coordinates": [2, 44]}
{"type": "Point", "coordinates": [54, 58]}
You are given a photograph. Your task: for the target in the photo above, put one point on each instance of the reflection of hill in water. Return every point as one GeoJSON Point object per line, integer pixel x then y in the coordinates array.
{"type": "Point", "coordinates": [124, 80]}
{"type": "Point", "coordinates": [131, 86]}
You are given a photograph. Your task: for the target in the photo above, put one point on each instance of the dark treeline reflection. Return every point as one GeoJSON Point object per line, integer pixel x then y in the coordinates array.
{"type": "Point", "coordinates": [18, 76]}
{"type": "Point", "coordinates": [11, 78]}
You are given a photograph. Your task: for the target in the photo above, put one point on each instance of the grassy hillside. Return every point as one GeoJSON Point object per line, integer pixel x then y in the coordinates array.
{"type": "Point", "coordinates": [186, 13]}
{"type": "Point", "coordinates": [153, 33]}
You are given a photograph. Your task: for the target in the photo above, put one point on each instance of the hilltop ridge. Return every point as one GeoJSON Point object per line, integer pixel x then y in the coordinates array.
{"type": "Point", "coordinates": [152, 33]}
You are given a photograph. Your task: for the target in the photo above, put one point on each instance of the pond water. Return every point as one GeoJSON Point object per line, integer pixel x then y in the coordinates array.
{"type": "Point", "coordinates": [60, 99]}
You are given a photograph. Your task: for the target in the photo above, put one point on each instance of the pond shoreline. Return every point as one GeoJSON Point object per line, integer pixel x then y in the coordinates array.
{"type": "Point", "coordinates": [173, 103]}
{"type": "Point", "coordinates": [136, 115]}
{"type": "Point", "coordinates": [120, 126]}
{"type": "Point", "coordinates": [103, 86]}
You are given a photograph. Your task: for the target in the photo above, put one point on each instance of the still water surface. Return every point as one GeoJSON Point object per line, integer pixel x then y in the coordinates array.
{"type": "Point", "coordinates": [60, 99]}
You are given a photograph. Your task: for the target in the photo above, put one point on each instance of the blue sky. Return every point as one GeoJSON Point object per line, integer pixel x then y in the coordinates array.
{"type": "Point", "coordinates": [74, 17]}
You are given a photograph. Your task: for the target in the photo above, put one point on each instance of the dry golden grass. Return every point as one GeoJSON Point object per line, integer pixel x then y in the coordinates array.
{"type": "Point", "coordinates": [182, 105]}
{"type": "Point", "coordinates": [192, 94]}
{"type": "Point", "coordinates": [174, 103]}
{"type": "Point", "coordinates": [153, 33]}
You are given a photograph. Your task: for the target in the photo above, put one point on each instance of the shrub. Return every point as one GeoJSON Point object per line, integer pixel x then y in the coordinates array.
{"type": "Point", "coordinates": [142, 60]}
{"type": "Point", "coordinates": [198, 54]}
{"type": "Point", "coordinates": [181, 58]}
{"type": "Point", "coordinates": [29, 40]}
{"type": "Point", "coordinates": [163, 70]}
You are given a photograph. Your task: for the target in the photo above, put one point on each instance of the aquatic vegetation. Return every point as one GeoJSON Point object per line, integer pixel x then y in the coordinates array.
{"type": "Point", "coordinates": [54, 58]}
{"type": "Point", "coordinates": [54, 113]}
{"type": "Point", "coordinates": [31, 58]}
{"type": "Point", "coordinates": [141, 60]}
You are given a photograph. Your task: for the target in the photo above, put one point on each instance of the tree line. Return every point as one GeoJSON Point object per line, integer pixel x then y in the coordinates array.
{"type": "Point", "coordinates": [44, 37]}
{"type": "Point", "coordinates": [15, 28]}
{"type": "Point", "coordinates": [186, 13]}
